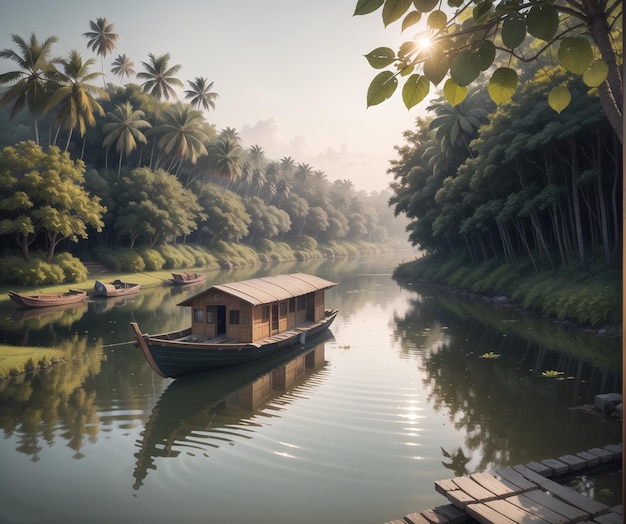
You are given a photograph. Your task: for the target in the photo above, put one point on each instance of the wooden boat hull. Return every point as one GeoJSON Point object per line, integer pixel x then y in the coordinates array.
{"type": "Point", "coordinates": [73, 296]}
{"type": "Point", "coordinates": [174, 355]}
{"type": "Point", "coordinates": [116, 289]}
{"type": "Point", "coordinates": [186, 279]}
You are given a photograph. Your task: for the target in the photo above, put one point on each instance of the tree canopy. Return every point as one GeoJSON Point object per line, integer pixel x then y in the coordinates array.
{"type": "Point", "coordinates": [42, 194]}
{"type": "Point", "coordinates": [470, 37]}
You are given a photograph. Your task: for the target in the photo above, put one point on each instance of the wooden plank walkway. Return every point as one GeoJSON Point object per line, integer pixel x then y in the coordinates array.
{"type": "Point", "coordinates": [525, 494]}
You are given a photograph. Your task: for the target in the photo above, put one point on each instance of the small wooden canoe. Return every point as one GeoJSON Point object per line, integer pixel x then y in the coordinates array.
{"type": "Point", "coordinates": [184, 279]}
{"type": "Point", "coordinates": [73, 296]}
{"type": "Point", "coordinates": [117, 288]}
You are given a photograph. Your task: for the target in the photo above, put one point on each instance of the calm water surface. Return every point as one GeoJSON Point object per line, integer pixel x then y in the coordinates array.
{"type": "Point", "coordinates": [354, 428]}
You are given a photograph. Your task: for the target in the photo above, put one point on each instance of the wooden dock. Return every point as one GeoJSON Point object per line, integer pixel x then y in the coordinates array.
{"type": "Point", "coordinates": [525, 494]}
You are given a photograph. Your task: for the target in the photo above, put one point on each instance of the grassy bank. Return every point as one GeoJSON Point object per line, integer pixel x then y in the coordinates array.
{"type": "Point", "coordinates": [589, 298]}
{"type": "Point", "coordinates": [18, 360]}
{"type": "Point", "coordinates": [152, 268]}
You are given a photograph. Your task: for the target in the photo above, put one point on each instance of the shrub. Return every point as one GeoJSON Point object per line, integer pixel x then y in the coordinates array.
{"type": "Point", "coordinates": [108, 257]}
{"type": "Point", "coordinates": [174, 259]}
{"type": "Point", "coordinates": [131, 260]}
{"type": "Point", "coordinates": [72, 267]}
{"type": "Point", "coordinates": [152, 259]}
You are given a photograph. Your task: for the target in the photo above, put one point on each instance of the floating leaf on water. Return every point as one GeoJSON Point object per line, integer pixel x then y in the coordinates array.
{"type": "Point", "coordinates": [491, 354]}
{"type": "Point", "coordinates": [551, 373]}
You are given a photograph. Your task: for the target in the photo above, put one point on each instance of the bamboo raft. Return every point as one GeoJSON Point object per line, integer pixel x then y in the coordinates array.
{"type": "Point", "coordinates": [525, 494]}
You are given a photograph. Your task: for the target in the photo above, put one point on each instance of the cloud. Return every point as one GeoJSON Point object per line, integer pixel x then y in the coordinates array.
{"type": "Point", "coordinates": [365, 170]}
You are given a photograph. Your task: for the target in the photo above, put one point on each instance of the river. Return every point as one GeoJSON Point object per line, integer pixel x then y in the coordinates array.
{"type": "Point", "coordinates": [353, 428]}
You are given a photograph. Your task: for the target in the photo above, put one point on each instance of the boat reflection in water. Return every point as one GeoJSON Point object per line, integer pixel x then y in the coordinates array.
{"type": "Point", "coordinates": [207, 403]}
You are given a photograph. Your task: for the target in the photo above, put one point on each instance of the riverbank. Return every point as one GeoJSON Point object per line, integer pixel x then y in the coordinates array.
{"type": "Point", "coordinates": [590, 299]}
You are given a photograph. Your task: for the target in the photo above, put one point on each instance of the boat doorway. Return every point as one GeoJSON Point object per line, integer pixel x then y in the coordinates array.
{"type": "Point", "coordinates": [310, 307]}
{"type": "Point", "coordinates": [220, 321]}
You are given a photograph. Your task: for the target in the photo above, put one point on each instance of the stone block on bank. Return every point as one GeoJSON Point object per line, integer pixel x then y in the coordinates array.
{"type": "Point", "coordinates": [607, 401]}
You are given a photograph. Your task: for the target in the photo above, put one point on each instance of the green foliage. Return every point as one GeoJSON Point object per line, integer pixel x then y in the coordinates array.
{"type": "Point", "coordinates": [273, 251]}
{"type": "Point", "coordinates": [174, 258]}
{"type": "Point", "coordinates": [202, 257]}
{"type": "Point", "coordinates": [72, 267]}
{"type": "Point", "coordinates": [153, 260]}
{"type": "Point", "coordinates": [37, 272]}
{"type": "Point", "coordinates": [130, 260]}
{"type": "Point", "coordinates": [108, 257]}
{"type": "Point", "coordinates": [584, 297]}
{"type": "Point", "coordinates": [463, 47]}
{"type": "Point", "coordinates": [305, 243]}
{"type": "Point", "coordinates": [42, 193]}
{"type": "Point", "coordinates": [236, 255]}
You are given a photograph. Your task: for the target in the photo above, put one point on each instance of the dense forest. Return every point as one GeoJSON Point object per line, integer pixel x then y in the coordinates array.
{"type": "Point", "coordinates": [514, 181]}
{"type": "Point", "coordinates": [138, 165]}
{"type": "Point", "coordinates": [87, 161]}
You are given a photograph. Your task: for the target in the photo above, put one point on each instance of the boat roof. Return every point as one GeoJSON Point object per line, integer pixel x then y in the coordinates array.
{"type": "Point", "coordinates": [265, 290]}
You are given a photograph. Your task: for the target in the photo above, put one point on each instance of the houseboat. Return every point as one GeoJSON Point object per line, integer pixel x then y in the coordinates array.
{"type": "Point", "coordinates": [240, 322]}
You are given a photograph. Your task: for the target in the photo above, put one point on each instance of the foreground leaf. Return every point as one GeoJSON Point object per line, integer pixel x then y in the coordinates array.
{"type": "Point", "coordinates": [453, 92]}
{"type": "Point", "coordinates": [394, 9]}
{"type": "Point", "coordinates": [575, 54]}
{"type": "Point", "coordinates": [559, 98]}
{"type": "Point", "coordinates": [382, 87]}
{"type": "Point", "coordinates": [365, 7]}
{"type": "Point", "coordinates": [502, 85]}
{"type": "Point", "coordinates": [381, 57]}
{"type": "Point", "coordinates": [465, 67]}
{"type": "Point", "coordinates": [415, 90]}
{"type": "Point", "coordinates": [596, 74]}
{"type": "Point", "coordinates": [543, 21]}
{"type": "Point", "coordinates": [513, 30]}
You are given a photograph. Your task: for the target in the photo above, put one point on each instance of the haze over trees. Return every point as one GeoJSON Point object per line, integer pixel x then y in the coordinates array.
{"type": "Point", "coordinates": [148, 166]}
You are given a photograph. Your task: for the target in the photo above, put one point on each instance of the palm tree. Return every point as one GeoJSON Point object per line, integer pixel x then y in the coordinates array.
{"type": "Point", "coordinates": [160, 80]}
{"type": "Point", "coordinates": [283, 189]}
{"type": "Point", "coordinates": [33, 58]}
{"type": "Point", "coordinates": [456, 125]}
{"type": "Point", "coordinates": [230, 133]}
{"type": "Point", "coordinates": [287, 165]}
{"type": "Point", "coordinates": [227, 158]}
{"type": "Point", "coordinates": [257, 156]}
{"type": "Point", "coordinates": [102, 39]}
{"type": "Point", "coordinates": [125, 130]}
{"type": "Point", "coordinates": [75, 96]}
{"type": "Point", "coordinates": [303, 174]}
{"type": "Point", "coordinates": [201, 94]}
{"type": "Point", "coordinates": [123, 66]}
{"type": "Point", "coordinates": [183, 133]}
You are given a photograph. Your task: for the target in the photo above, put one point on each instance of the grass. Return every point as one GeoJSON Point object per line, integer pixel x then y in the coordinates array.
{"type": "Point", "coordinates": [589, 297]}
{"type": "Point", "coordinates": [17, 360]}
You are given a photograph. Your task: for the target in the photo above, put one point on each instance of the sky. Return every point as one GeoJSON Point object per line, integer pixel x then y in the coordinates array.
{"type": "Point", "coordinates": [290, 74]}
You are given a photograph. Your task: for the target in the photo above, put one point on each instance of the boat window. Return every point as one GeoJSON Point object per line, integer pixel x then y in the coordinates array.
{"type": "Point", "coordinates": [209, 314]}
{"type": "Point", "coordinates": [283, 309]}
{"type": "Point", "coordinates": [234, 316]}
{"type": "Point", "coordinates": [197, 315]}
{"type": "Point", "coordinates": [265, 313]}
{"type": "Point", "coordinates": [292, 305]}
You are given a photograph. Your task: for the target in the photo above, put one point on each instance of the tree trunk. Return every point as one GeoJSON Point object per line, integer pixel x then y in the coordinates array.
{"type": "Point", "coordinates": [611, 94]}
{"type": "Point", "coordinates": [576, 204]}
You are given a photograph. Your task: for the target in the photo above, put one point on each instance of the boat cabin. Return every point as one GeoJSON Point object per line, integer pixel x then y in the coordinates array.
{"type": "Point", "coordinates": [251, 310]}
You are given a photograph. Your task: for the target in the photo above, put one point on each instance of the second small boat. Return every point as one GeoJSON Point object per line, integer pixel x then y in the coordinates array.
{"type": "Point", "coordinates": [185, 279]}
{"type": "Point", "coordinates": [117, 288]}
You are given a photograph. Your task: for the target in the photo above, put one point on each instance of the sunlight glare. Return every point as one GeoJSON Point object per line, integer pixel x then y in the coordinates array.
{"type": "Point", "coordinates": [423, 41]}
